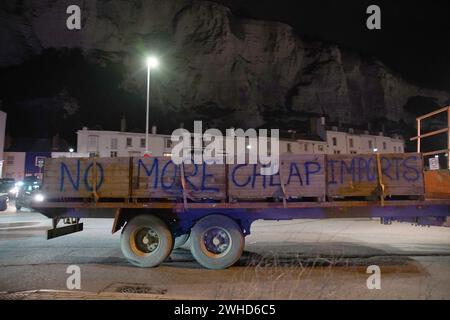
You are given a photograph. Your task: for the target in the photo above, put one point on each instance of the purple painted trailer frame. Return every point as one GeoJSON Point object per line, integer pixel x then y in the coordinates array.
{"type": "Point", "coordinates": [182, 217]}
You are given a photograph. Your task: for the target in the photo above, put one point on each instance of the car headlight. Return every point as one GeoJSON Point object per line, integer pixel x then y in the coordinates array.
{"type": "Point", "coordinates": [39, 197]}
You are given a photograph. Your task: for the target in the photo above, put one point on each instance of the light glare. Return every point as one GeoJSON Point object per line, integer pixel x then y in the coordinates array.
{"type": "Point", "coordinates": [152, 62]}
{"type": "Point", "coordinates": [39, 197]}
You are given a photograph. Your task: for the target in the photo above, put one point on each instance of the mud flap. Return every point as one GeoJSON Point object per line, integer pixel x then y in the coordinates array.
{"type": "Point", "coordinates": [62, 231]}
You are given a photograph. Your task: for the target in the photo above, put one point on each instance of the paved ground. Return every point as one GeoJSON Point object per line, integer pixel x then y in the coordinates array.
{"type": "Point", "coordinates": [283, 260]}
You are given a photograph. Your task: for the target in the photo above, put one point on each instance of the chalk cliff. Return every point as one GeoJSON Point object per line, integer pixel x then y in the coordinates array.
{"type": "Point", "coordinates": [214, 63]}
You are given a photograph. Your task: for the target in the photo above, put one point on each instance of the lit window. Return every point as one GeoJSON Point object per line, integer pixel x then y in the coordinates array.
{"type": "Point", "coordinates": [168, 143]}
{"type": "Point", "coordinates": [93, 142]}
{"type": "Point", "coordinates": [114, 144]}
{"type": "Point", "coordinates": [39, 161]}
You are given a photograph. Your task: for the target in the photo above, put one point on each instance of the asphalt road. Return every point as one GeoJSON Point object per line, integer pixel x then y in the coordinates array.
{"type": "Point", "coordinates": [304, 259]}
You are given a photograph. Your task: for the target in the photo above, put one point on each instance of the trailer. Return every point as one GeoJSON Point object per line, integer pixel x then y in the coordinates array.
{"type": "Point", "coordinates": [157, 204]}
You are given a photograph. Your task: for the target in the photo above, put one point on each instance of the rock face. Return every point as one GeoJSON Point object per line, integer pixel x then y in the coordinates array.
{"type": "Point", "coordinates": [213, 62]}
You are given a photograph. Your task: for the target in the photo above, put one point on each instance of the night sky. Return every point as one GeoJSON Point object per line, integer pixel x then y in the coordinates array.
{"type": "Point", "coordinates": [414, 41]}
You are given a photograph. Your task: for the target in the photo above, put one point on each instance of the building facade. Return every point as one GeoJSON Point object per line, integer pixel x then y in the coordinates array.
{"type": "Point", "coordinates": [340, 142]}
{"type": "Point", "coordinates": [69, 155]}
{"type": "Point", "coordinates": [14, 165]}
{"type": "Point", "coordinates": [25, 156]}
{"type": "Point", "coordinates": [2, 140]}
{"type": "Point", "coordinates": [302, 146]}
{"type": "Point", "coordinates": [128, 144]}
{"type": "Point", "coordinates": [18, 165]}
{"type": "Point", "coordinates": [121, 144]}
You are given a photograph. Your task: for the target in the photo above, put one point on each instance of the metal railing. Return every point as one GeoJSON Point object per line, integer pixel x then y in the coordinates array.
{"type": "Point", "coordinates": [421, 136]}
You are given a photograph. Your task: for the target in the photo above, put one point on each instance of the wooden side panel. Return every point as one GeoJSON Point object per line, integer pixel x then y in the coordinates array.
{"type": "Point", "coordinates": [161, 178]}
{"type": "Point", "coordinates": [437, 184]}
{"type": "Point", "coordinates": [351, 175]}
{"type": "Point", "coordinates": [76, 177]}
{"type": "Point", "coordinates": [357, 175]}
{"type": "Point", "coordinates": [302, 176]}
{"type": "Point", "coordinates": [205, 181]}
{"type": "Point", "coordinates": [155, 178]}
{"type": "Point", "coordinates": [116, 177]}
{"type": "Point", "coordinates": [403, 174]}
{"type": "Point", "coordinates": [57, 185]}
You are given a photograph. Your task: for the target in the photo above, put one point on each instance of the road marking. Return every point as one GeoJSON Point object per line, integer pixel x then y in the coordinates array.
{"type": "Point", "coordinates": [18, 225]}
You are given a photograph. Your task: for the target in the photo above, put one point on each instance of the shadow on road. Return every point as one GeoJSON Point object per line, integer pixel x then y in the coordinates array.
{"type": "Point", "coordinates": [310, 256]}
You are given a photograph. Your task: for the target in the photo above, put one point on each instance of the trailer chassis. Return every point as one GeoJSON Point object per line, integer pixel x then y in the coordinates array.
{"type": "Point", "coordinates": [217, 230]}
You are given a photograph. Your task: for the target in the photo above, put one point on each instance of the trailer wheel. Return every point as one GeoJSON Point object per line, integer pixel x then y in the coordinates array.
{"type": "Point", "coordinates": [217, 242]}
{"type": "Point", "coordinates": [180, 240]}
{"type": "Point", "coordinates": [146, 241]}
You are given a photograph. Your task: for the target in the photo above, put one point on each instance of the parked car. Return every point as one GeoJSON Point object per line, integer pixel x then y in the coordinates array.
{"type": "Point", "coordinates": [8, 186]}
{"type": "Point", "coordinates": [3, 202]}
{"type": "Point", "coordinates": [26, 190]}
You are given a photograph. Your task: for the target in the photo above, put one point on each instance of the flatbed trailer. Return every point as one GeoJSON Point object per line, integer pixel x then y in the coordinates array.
{"type": "Point", "coordinates": [158, 204]}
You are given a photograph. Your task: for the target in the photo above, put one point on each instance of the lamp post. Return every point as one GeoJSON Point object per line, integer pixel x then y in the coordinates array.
{"type": "Point", "coordinates": [152, 63]}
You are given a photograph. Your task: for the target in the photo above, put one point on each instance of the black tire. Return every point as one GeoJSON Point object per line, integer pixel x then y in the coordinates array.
{"type": "Point", "coordinates": [217, 242]}
{"type": "Point", "coordinates": [4, 206]}
{"type": "Point", "coordinates": [146, 241]}
{"type": "Point", "coordinates": [180, 240]}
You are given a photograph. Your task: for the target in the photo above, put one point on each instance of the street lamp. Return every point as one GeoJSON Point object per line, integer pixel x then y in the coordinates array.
{"type": "Point", "coordinates": [71, 151]}
{"type": "Point", "coordinates": [152, 63]}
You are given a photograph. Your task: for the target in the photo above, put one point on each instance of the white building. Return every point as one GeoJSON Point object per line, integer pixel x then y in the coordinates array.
{"type": "Point", "coordinates": [121, 144]}
{"type": "Point", "coordinates": [14, 165]}
{"type": "Point", "coordinates": [126, 144]}
{"type": "Point", "coordinates": [69, 155]}
{"type": "Point", "coordinates": [301, 146]}
{"type": "Point", "coordinates": [2, 140]}
{"type": "Point", "coordinates": [352, 143]}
